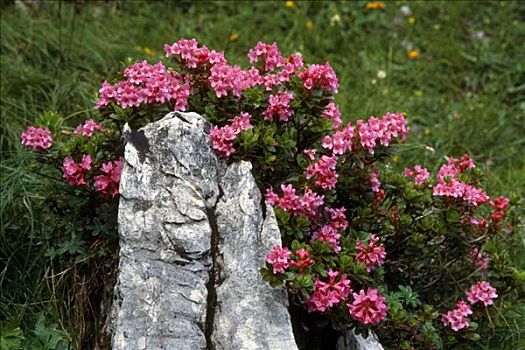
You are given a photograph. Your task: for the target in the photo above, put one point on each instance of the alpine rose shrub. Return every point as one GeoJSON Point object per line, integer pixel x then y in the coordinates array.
{"type": "Point", "coordinates": [364, 246]}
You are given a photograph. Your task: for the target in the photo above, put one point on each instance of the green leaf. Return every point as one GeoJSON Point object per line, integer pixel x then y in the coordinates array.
{"type": "Point", "coordinates": [11, 336]}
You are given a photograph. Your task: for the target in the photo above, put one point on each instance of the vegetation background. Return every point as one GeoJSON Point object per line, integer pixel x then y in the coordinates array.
{"type": "Point", "coordinates": [456, 68]}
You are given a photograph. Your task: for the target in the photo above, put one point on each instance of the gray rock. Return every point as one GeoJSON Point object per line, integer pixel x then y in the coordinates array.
{"type": "Point", "coordinates": [351, 341]}
{"type": "Point", "coordinates": [190, 256]}
{"type": "Point", "coordinates": [250, 314]}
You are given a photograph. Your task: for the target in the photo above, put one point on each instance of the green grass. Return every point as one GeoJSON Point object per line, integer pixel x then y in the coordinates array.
{"type": "Point", "coordinates": [465, 94]}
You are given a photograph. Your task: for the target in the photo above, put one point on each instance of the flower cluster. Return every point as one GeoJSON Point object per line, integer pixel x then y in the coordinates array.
{"type": "Point", "coordinates": [320, 76]}
{"type": "Point", "coordinates": [39, 139]}
{"type": "Point", "coordinates": [192, 54]}
{"type": "Point", "coordinates": [279, 106]}
{"type": "Point", "coordinates": [146, 84]}
{"type": "Point", "coordinates": [279, 258]}
{"type": "Point", "coordinates": [324, 171]}
{"type": "Point", "coordinates": [419, 174]}
{"type": "Point", "coordinates": [108, 183]}
{"type": "Point", "coordinates": [88, 128]}
{"type": "Point", "coordinates": [341, 141]}
{"type": "Point", "coordinates": [372, 254]}
{"type": "Point", "coordinates": [306, 205]}
{"type": "Point", "coordinates": [368, 307]}
{"type": "Point", "coordinates": [328, 294]}
{"type": "Point", "coordinates": [500, 205]}
{"type": "Point", "coordinates": [302, 260]}
{"type": "Point", "coordinates": [226, 79]}
{"type": "Point", "coordinates": [482, 291]}
{"type": "Point", "coordinates": [450, 186]}
{"type": "Point", "coordinates": [458, 318]}
{"type": "Point", "coordinates": [374, 181]}
{"type": "Point", "coordinates": [333, 113]}
{"type": "Point", "coordinates": [222, 138]}
{"type": "Point", "coordinates": [270, 53]}
{"type": "Point", "coordinates": [381, 130]}
{"type": "Point", "coordinates": [74, 172]}
{"type": "Point", "coordinates": [328, 234]}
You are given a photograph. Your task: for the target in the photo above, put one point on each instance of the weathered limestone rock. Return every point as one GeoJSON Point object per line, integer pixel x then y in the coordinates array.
{"type": "Point", "coordinates": [192, 240]}
{"type": "Point", "coordinates": [168, 184]}
{"type": "Point", "coordinates": [351, 341]}
{"type": "Point", "coordinates": [250, 314]}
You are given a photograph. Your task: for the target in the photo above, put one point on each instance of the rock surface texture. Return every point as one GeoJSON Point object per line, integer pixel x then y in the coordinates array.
{"type": "Point", "coordinates": [351, 341]}
{"type": "Point", "coordinates": [193, 237]}
{"type": "Point", "coordinates": [192, 241]}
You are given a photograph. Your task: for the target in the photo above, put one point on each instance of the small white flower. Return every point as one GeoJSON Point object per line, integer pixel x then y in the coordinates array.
{"type": "Point", "coordinates": [405, 10]}
{"type": "Point", "coordinates": [335, 19]}
{"type": "Point", "coordinates": [381, 74]}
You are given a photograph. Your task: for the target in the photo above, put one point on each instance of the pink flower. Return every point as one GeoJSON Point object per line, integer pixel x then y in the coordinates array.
{"type": "Point", "coordinates": [368, 307]}
{"type": "Point", "coordinates": [191, 54]}
{"type": "Point", "coordinates": [500, 205]}
{"type": "Point", "coordinates": [309, 153]}
{"type": "Point", "coordinates": [279, 258]}
{"type": "Point", "coordinates": [74, 172]}
{"type": "Point", "coordinates": [458, 318]}
{"type": "Point", "coordinates": [329, 235]}
{"type": "Point", "coordinates": [381, 130]}
{"type": "Point", "coordinates": [319, 76]}
{"type": "Point", "coordinates": [222, 138]}
{"type": "Point", "coordinates": [271, 197]}
{"type": "Point", "coordinates": [479, 258]}
{"type": "Point", "coordinates": [279, 106]}
{"type": "Point", "coordinates": [88, 128]}
{"type": "Point", "coordinates": [374, 181]}
{"type": "Point", "coordinates": [449, 186]}
{"type": "Point", "coordinates": [146, 84]}
{"type": "Point", "coordinates": [108, 183]}
{"type": "Point", "coordinates": [328, 294]}
{"type": "Point", "coordinates": [241, 123]}
{"type": "Point", "coordinates": [39, 139]}
{"type": "Point", "coordinates": [302, 259]}
{"type": "Point", "coordinates": [371, 254]}
{"type": "Point", "coordinates": [341, 141]}
{"type": "Point", "coordinates": [272, 55]}
{"type": "Point", "coordinates": [332, 112]}
{"type": "Point", "coordinates": [232, 80]}
{"type": "Point", "coordinates": [338, 218]}
{"type": "Point", "coordinates": [306, 205]}
{"type": "Point", "coordinates": [482, 291]}
{"type": "Point", "coordinates": [419, 174]}
{"type": "Point", "coordinates": [324, 172]}
{"type": "Point", "coordinates": [478, 222]}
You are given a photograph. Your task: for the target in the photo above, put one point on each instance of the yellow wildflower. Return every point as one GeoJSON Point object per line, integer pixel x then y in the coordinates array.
{"type": "Point", "coordinates": [309, 24]}
{"type": "Point", "coordinates": [290, 4]}
{"type": "Point", "coordinates": [234, 37]}
{"type": "Point", "coordinates": [436, 26]}
{"type": "Point", "coordinates": [411, 20]}
{"type": "Point", "coordinates": [395, 158]}
{"type": "Point", "coordinates": [149, 52]}
{"type": "Point", "coordinates": [413, 54]}
{"type": "Point", "coordinates": [375, 5]}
